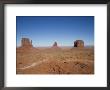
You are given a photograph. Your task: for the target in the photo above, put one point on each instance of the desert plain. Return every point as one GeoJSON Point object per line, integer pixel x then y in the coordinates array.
{"type": "Point", "coordinates": [48, 60]}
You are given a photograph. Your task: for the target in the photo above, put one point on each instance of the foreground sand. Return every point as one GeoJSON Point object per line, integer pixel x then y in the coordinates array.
{"type": "Point", "coordinates": [55, 61]}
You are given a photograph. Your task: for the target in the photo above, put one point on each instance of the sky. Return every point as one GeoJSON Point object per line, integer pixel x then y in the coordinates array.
{"type": "Point", "coordinates": [45, 30]}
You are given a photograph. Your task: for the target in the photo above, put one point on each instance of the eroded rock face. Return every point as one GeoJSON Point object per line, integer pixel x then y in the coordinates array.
{"type": "Point", "coordinates": [79, 43]}
{"type": "Point", "coordinates": [25, 42]}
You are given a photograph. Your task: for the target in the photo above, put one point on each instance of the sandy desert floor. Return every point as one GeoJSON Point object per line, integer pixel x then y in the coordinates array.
{"type": "Point", "coordinates": [55, 61]}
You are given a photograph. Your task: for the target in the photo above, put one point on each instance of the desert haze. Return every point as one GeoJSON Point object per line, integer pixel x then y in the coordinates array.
{"type": "Point", "coordinates": [55, 59]}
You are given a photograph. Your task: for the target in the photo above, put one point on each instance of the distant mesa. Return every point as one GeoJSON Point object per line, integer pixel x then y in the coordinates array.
{"type": "Point", "coordinates": [79, 43]}
{"type": "Point", "coordinates": [25, 42]}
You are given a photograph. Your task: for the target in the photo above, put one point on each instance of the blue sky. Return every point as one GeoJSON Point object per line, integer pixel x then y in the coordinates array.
{"type": "Point", "coordinates": [45, 30]}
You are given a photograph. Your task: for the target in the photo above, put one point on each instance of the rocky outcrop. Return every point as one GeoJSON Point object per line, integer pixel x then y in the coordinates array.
{"type": "Point", "coordinates": [26, 46]}
{"type": "Point", "coordinates": [79, 43]}
{"type": "Point", "coordinates": [55, 44]}
{"type": "Point", "coordinates": [25, 42]}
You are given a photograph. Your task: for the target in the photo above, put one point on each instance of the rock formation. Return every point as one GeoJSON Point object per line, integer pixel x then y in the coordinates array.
{"type": "Point", "coordinates": [26, 46]}
{"type": "Point", "coordinates": [25, 42]}
{"type": "Point", "coordinates": [55, 44]}
{"type": "Point", "coordinates": [79, 43]}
